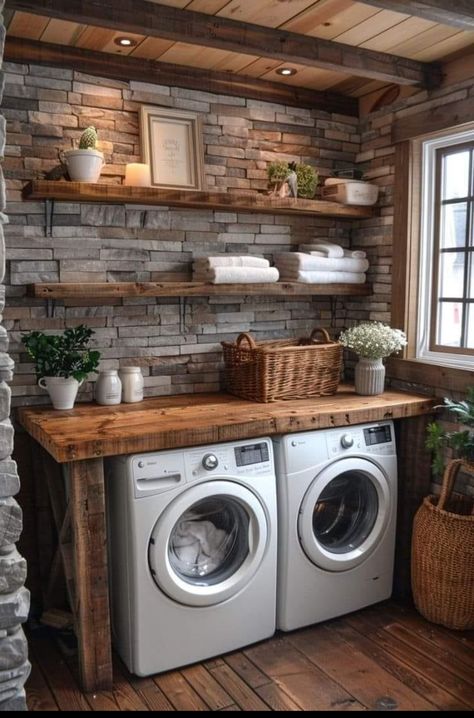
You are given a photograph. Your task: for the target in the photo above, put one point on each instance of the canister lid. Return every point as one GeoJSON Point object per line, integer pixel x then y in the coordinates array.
{"type": "Point", "coordinates": [130, 369]}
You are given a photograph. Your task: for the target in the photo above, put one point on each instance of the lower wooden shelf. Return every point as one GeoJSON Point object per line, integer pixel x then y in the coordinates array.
{"type": "Point", "coordinates": [98, 290]}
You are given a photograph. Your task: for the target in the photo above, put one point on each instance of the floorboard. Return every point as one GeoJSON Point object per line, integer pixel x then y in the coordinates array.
{"type": "Point", "coordinates": [385, 655]}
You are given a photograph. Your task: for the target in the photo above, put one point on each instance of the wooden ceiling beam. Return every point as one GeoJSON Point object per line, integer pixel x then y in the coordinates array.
{"type": "Point", "coordinates": [154, 20]}
{"type": "Point", "coordinates": [123, 67]}
{"type": "Point", "coordinates": [458, 13]}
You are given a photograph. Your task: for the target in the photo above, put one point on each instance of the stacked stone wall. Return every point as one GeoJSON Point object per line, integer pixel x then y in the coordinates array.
{"type": "Point", "coordinates": [14, 597]}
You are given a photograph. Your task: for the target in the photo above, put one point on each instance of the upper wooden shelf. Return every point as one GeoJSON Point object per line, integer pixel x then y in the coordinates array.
{"type": "Point", "coordinates": [121, 194]}
{"type": "Point", "coordinates": [103, 290]}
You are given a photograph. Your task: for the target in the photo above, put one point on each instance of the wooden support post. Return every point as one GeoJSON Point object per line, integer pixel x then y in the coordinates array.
{"type": "Point", "coordinates": [414, 479]}
{"type": "Point", "coordinates": [87, 508]}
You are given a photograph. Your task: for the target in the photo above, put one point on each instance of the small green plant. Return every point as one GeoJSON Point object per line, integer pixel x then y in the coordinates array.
{"type": "Point", "coordinates": [88, 139]}
{"type": "Point", "coordinates": [65, 355]}
{"type": "Point", "coordinates": [307, 178]}
{"type": "Point", "coordinates": [278, 171]}
{"type": "Point", "coordinates": [460, 441]}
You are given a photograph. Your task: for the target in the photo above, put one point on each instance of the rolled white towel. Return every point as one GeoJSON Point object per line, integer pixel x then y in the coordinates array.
{"type": "Point", "coordinates": [238, 275]}
{"type": "Point", "coordinates": [244, 260]}
{"type": "Point", "coordinates": [320, 277]}
{"type": "Point", "coordinates": [355, 253]}
{"type": "Point", "coordinates": [329, 249]}
{"type": "Point", "coordinates": [307, 262]}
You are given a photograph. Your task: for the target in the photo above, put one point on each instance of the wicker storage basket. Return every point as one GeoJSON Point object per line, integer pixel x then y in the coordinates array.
{"type": "Point", "coordinates": [283, 369]}
{"type": "Point", "coordinates": [442, 559]}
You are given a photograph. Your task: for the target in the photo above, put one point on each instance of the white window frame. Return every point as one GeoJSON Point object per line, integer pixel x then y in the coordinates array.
{"type": "Point", "coordinates": [426, 257]}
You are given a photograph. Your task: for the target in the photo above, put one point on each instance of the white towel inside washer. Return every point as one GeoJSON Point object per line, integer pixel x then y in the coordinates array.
{"type": "Point", "coordinates": [199, 546]}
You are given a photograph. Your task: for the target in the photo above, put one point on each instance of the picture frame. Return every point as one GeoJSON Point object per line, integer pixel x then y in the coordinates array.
{"type": "Point", "coordinates": [171, 142]}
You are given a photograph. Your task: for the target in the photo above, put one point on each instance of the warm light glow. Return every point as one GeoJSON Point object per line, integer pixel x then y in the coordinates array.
{"type": "Point", "coordinates": [286, 71]}
{"type": "Point", "coordinates": [125, 41]}
{"type": "Point", "coordinates": [137, 174]}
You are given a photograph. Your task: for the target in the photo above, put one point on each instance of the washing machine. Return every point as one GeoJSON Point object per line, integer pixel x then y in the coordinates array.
{"type": "Point", "coordinates": [192, 552]}
{"type": "Point", "coordinates": [337, 503]}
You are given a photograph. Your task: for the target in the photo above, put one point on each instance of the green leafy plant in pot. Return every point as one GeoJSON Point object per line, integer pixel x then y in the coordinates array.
{"type": "Point", "coordinates": [62, 362]}
{"type": "Point", "coordinates": [84, 164]}
{"type": "Point", "coordinates": [460, 441]}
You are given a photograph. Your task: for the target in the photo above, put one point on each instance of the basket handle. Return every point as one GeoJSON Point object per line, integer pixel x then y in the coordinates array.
{"type": "Point", "coordinates": [245, 336]}
{"type": "Point", "coordinates": [449, 479]}
{"type": "Point", "coordinates": [326, 336]}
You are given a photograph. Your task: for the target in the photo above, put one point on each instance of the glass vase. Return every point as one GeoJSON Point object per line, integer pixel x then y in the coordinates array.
{"type": "Point", "coordinates": [369, 376]}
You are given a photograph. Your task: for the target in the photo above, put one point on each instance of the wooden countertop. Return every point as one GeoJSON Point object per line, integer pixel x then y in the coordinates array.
{"type": "Point", "coordinates": [90, 431]}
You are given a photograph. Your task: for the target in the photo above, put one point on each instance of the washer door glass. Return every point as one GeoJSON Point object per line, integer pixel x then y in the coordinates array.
{"type": "Point", "coordinates": [208, 543]}
{"type": "Point", "coordinates": [344, 514]}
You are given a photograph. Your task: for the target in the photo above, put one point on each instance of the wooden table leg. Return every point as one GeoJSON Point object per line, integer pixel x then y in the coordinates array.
{"type": "Point", "coordinates": [87, 508]}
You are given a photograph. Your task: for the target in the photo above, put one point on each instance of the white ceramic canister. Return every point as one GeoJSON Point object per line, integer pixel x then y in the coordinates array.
{"type": "Point", "coordinates": [132, 384]}
{"type": "Point", "coordinates": [108, 387]}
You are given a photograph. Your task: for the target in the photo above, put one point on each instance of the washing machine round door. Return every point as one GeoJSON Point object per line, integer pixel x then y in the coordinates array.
{"type": "Point", "coordinates": [344, 514]}
{"type": "Point", "coordinates": [208, 543]}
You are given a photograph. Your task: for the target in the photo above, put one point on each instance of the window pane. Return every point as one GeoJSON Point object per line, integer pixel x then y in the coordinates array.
{"type": "Point", "coordinates": [470, 276]}
{"type": "Point", "coordinates": [456, 175]}
{"type": "Point", "coordinates": [453, 225]}
{"type": "Point", "coordinates": [470, 328]}
{"type": "Point", "coordinates": [450, 324]}
{"type": "Point", "coordinates": [451, 274]}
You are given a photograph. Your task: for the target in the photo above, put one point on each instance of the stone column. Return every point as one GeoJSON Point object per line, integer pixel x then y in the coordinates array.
{"type": "Point", "coordinates": [14, 597]}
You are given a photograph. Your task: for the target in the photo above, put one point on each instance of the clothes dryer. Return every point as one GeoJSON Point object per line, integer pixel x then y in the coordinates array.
{"type": "Point", "coordinates": [192, 544]}
{"type": "Point", "coordinates": [337, 502]}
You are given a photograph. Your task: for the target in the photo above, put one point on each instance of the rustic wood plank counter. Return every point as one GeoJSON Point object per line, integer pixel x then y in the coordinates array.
{"type": "Point", "coordinates": [81, 437]}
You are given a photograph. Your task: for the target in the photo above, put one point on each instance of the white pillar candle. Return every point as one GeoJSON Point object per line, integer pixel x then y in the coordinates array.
{"type": "Point", "coordinates": [137, 174]}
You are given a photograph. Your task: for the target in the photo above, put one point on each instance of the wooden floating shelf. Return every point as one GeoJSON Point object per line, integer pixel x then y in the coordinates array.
{"type": "Point", "coordinates": [121, 194]}
{"type": "Point", "coordinates": [103, 290]}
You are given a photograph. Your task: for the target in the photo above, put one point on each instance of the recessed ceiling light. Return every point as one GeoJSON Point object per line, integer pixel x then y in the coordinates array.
{"type": "Point", "coordinates": [125, 41]}
{"type": "Point", "coordinates": [286, 71]}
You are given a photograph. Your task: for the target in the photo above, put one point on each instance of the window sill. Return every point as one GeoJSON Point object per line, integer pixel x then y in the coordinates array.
{"type": "Point", "coordinates": [437, 376]}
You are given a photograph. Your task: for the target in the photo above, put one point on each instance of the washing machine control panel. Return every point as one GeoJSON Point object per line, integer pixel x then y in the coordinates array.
{"type": "Point", "coordinates": [210, 462]}
{"type": "Point", "coordinates": [372, 439]}
{"type": "Point", "coordinates": [243, 459]}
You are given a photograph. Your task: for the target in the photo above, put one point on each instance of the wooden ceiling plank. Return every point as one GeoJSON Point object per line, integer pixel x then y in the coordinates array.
{"type": "Point", "coordinates": [270, 13]}
{"type": "Point", "coordinates": [458, 13]}
{"type": "Point", "coordinates": [446, 47]}
{"type": "Point", "coordinates": [142, 17]}
{"type": "Point", "coordinates": [161, 73]}
{"type": "Point", "coordinates": [26, 25]}
{"type": "Point", "coordinates": [321, 13]}
{"type": "Point", "coordinates": [151, 48]}
{"type": "Point", "coordinates": [425, 39]}
{"type": "Point", "coordinates": [62, 32]}
{"type": "Point", "coordinates": [406, 30]}
{"type": "Point", "coordinates": [375, 25]}
{"type": "Point", "coordinates": [343, 21]}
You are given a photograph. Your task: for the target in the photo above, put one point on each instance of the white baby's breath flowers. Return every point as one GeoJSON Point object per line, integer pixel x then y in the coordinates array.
{"type": "Point", "coordinates": [373, 340]}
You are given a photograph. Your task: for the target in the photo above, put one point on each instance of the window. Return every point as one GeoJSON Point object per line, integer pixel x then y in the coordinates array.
{"type": "Point", "coordinates": [445, 332]}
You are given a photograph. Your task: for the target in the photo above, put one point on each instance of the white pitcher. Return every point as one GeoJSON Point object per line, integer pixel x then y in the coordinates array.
{"type": "Point", "coordinates": [62, 390]}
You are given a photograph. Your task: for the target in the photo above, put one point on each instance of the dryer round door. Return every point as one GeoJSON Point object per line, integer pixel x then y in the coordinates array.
{"type": "Point", "coordinates": [208, 543]}
{"type": "Point", "coordinates": [344, 514]}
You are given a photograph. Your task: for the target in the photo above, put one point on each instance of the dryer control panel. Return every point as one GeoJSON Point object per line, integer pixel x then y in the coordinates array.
{"type": "Point", "coordinates": [371, 439]}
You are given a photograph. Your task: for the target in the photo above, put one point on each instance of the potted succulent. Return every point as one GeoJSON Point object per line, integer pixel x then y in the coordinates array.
{"type": "Point", "coordinates": [62, 362]}
{"type": "Point", "coordinates": [372, 341]}
{"type": "Point", "coordinates": [84, 164]}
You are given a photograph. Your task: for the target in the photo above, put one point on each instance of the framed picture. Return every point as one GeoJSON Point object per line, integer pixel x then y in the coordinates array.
{"type": "Point", "coordinates": [172, 146]}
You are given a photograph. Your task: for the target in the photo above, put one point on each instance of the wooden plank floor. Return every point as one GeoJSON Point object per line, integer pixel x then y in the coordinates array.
{"type": "Point", "coordinates": [386, 657]}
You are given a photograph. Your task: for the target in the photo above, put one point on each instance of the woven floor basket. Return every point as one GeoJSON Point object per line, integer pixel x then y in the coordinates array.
{"type": "Point", "coordinates": [442, 559]}
{"type": "Point", "coordinates": [283, 369]}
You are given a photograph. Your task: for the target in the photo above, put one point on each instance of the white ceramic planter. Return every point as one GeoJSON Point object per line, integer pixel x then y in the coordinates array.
{"type": "Point", "coordinates": [62, 391]}
{"type": "Point", "coordinates": [369, 376]}
{"type": "Point", "coordinates": [83, 165]}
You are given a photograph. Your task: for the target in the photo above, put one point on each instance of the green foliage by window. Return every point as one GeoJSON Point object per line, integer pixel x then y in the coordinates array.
{"type": "Point", "coordinates": [65, 355]}
{"type": "Point", "coordinates": [460, 441]}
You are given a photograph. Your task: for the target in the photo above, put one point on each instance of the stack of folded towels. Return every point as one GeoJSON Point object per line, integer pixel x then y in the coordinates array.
{"type": "Point", "coordinates": [232, 269]}
{"type": "Point", "coordinates": [323, 263]}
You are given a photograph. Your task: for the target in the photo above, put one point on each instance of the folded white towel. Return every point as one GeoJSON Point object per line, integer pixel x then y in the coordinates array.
{"type": "Point", "coordinates": [238, 275]}
{"type": "Point", "coordinates": [230, 261]}
{"type": "Point", "coordinates": [329, 249]}
{"type": "Point", "coordinates": [307, 262]}
{"type": "Point", "coordinates": [356, 253]}
{"type": "Point", "coordinates": [320, 277]}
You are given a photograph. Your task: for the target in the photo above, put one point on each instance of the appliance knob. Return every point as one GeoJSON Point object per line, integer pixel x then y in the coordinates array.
{"type": "Point", "coordinates": [141, 464]}
{"type": "Point", "coordinates": [347, 441]}
{"type": "Point", "coordinates": [210, 462]}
